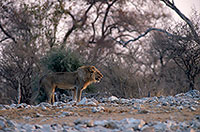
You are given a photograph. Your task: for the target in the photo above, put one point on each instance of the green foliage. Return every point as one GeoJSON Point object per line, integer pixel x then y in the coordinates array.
{"type": "Point", "coordinates": [60, 60]}
{"type": "Point", "coordinates": [91, 89]}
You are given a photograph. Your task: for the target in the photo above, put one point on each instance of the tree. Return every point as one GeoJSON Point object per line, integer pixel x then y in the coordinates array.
{"type": "Point", "coordinates": [89, 27]}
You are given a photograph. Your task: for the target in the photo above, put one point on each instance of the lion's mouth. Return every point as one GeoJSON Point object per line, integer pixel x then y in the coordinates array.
{"type": "Point", "coordinates": [97, 80]}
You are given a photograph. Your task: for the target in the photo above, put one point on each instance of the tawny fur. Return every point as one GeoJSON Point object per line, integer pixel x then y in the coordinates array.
{"type": "Point", "coordinates": [77, 81]}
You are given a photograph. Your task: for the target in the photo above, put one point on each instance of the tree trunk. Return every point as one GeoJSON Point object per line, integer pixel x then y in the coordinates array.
{"type": "Point", "coordinates": [191, 82]}
{"type": "Point", "coordinates": [19, 92]}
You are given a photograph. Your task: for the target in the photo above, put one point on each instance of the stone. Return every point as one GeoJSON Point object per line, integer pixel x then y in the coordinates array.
{"type": "Point", "coordinates": [160, 127]}
{"type": "Point", "coordinates": [2, 107]}
{"type": "Point", "coordinates": [28, 127]}
{"type": "Point", "coordinates": [101, 129]}
{"type": "Point", "coordinates": [195, 124]}
{"type": "Point", "coordinates": [11, 124]}
{"type": "Point", "coordinates": [136, 106]}
{"type": "Point", "coordinates": [88, 123]}
{"type": "Point", "coordinates": [43, 107]}
{"type": "Point", "coordinates": [38, 126]}
{"type": "Point", "coordinates": [136, 124]}
{"type": "Point", "coordinates": [63, 114]}
{"type": "Point", "coordinates": [147, 128]}
{"type": "Point", "coordinates": [113, 98]}
{"type": "Point", "coordinates": [192, 108]}
{"type": "Point", "coordinates": [2, 124]}
{"type": "Point", "coordinates": [83, 101]}
{"type": "Point", "coordinates": [28, 107]}
{"type": "Point", "coordinates": [124, 101]}
{"type": "Point", "coordinates": [56, 127]}
{"type": "Point", "coordinates": [46, 128]}
{"type": "Point", "coordinates": [180, 107]}
{"type": "Point", "coordinates": [22, 105]}
{"type": "Point", "coordinates": [71, 102]}
{"type": "Point", "coordinates": [44, 104]}
{"type": "Point", "coordinates": [165, 103]}
{"type": "Point", "coordinates": [197, 117]}
{"type": "Point", "coordinates": [59, 104]}
{"type": "Point", "coordinates": [39, 115]}
{"type": "Point", "coordinates": [100, 123]}
{"type": "Point", "coordinates": [111, 125]}
{"type": "Point", "coordinates": [13, 106]}
{"type": "Point", "coordinates": [97, 109]}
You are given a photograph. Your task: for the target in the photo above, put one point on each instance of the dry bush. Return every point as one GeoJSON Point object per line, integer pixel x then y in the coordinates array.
{"type": "Point", "coordinates": [17, 70]}
{"type": "Point", "coordinates": [119, 82]}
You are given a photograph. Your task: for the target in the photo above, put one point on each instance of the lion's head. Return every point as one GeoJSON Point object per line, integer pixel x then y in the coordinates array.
{"type": "Point", "coordinates": [89, 73]}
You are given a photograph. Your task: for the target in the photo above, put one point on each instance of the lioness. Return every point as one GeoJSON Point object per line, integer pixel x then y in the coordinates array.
{"type": "Point", "coordinates": [77, 81]}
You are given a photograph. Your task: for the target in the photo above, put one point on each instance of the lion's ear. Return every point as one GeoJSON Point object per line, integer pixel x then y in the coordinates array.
{"type": "Point", "coordinates": [91, 69]}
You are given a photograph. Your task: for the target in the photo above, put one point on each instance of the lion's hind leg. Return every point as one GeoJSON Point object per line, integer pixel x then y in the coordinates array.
{"type": "Point", "coordinates": [74, 94]}
{"type": "Point", "coordinates": [49, 90]}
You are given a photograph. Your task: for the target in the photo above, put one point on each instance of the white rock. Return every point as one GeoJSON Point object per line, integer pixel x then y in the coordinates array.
{"type": "Point", "coordinates": [44, 104]}
{"type": "Point", "coordinates": [91, 103]}
{"type": "Point", "coordinates": [63, 114]}
{"type": "Point", "coordinates": [11, 124]}
{"type": "Point", "coordinates": [132, 123]}
{"type": "Point", "coordinates": [180, 107]}
{"type": "Point", "coordinates": [38, 126]}
{"type": "Point", "coordinates": [46, 128]}
{"type": "Point", "coordinates": [113, 98]}
{"type": "Point", "coordinates": [161, 127]}
{"type": "Point", "coordinates": [86, 101]}
{"type": "Point", "coordinates": [28, 127]}
{"type": "Point", "coordinates": [22, 105]}
{"type": "Point", "coordinates": [59, 104]}
{"type": "Point", "coordinates": [97, 109]}
{"type": "Point", "coordinates": [43, 107]}
{"type": "Point", "coordinates": [71, 102]}
{"type": "Point", "coordinates": [124, 101]}
{"type": "Point", "coordinates": [101, 129]}
{"type": "Point", "coordinates": [56, 127]}
{"type": "Point", "coordinates": [111, 124]}
{"type": "Point", "coordinates": [2, 124]}
{"type": "Point", "coordinates": [100, 123]}
{"type": "Point", "coordinates": [192, 108]}
{"type": "Point", "coordinates": [83, 101]}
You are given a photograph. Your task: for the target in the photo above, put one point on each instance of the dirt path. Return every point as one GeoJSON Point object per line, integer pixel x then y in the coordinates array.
{"type": "Point", "coordinates": [55, 115]}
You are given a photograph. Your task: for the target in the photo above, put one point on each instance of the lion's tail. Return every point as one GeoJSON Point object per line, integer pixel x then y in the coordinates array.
{"type": "Point", "coordinates": [36, 93]}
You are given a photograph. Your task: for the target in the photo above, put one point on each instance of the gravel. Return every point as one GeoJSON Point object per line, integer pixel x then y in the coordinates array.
{"type": "Point", "coordinates": [189, 100]}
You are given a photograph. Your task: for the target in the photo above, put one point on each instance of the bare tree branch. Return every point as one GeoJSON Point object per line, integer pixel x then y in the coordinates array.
{"type": "Point", "coordinates": [4, 39]}
{"type": "Point", "coordinates": [76, 23]}
{"type": "Point", "coordinates": [124, 43]}
{"type": "Point", "coordinates": [7, 34]}
{"type": "Point", "coordinates": [105, 18]}
{"type": "Point", "coordinates": [173, 7]}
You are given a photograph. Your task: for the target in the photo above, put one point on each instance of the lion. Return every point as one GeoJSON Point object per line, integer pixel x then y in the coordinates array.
{"type": "Point", "coordinates": [76, 81]}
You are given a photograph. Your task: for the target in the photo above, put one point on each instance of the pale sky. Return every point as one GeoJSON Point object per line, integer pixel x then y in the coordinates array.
{"type": "Point", "coordinates": [185, 6]}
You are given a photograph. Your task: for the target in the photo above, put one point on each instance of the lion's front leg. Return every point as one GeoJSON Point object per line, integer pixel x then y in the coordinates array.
{"type": "Point", "coordinates": [79, 92]}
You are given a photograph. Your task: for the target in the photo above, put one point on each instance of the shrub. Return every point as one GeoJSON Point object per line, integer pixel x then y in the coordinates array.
{"type": "Point", "coordinates": [60, 60]}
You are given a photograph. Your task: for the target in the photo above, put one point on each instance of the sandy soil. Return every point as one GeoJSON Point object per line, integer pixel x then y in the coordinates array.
{"type": "Point", "coordinates": [52, 115]}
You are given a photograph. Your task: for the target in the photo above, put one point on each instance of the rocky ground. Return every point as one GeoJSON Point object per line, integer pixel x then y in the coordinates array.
{"type": "Point", "coordinates": [179, 113]}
